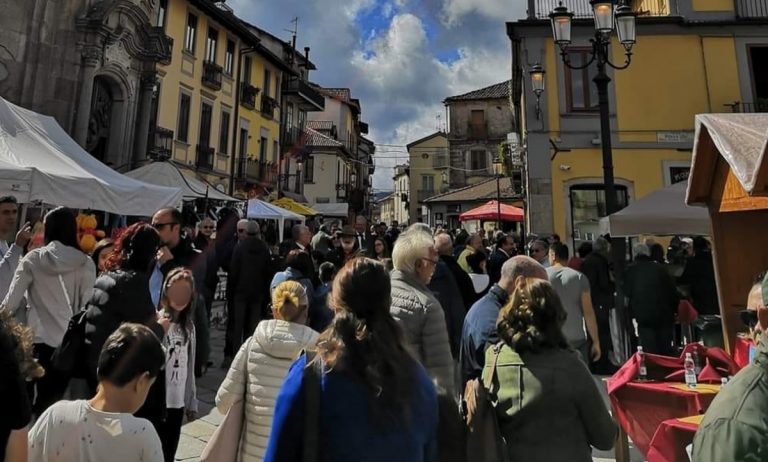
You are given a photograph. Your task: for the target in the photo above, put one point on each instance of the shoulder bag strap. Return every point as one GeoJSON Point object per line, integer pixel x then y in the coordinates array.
{"type": "Point", "coordinates": [66, 294]}
{"type": "Point", "coordinates": [312, 409]}
{"type": "Point", "coordinates": [489, 375]}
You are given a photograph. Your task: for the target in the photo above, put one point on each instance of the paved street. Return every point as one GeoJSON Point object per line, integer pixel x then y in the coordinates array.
{"type": "Point", "coordinates": [196, 434]}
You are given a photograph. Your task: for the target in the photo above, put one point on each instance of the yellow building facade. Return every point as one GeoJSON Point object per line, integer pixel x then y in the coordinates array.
{"type": "Point", "coordinates": [429, 165]}
{"type": "Point", "coordinates": [220, 94]}
{"type": "Point", "coordinates": [691, 57]}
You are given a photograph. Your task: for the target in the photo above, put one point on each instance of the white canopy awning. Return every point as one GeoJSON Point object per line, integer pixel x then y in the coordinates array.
{"type": "Point", "coordinates": [40, 162]}
{"type": "Point", "coordinates": [168, 174]}
{"type": "Point", "coordinates": [340, 210]}
{"type": "Point", "coordinates": [660, 213]}
{"type": "Point", "coordinates": [258, 209]}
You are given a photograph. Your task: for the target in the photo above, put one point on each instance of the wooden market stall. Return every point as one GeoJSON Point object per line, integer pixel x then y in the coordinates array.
{"type": "Point", "coordinates": [729, 176]}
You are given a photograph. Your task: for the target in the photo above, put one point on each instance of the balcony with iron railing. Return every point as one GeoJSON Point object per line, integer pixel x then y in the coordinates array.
{"type": "Point", "coordinates": [581, 9]}
{"type": "Point", "coordinates": [293, 136]}
{"type": "Point", "coordinates": [423, 194]}
{"type": "Point", "coordinates": [477, 130]}
{"type": "Point", "coordinates": [212, 75]}
{"type": "Point", "coordinates": [761, 105]}
{"type": "Point", "coordinates": [204, 160]}
{"type": "Point", "coordinates": [751, 9]}
{"type": "Point", "coordinates": [313, 100]}
{"type": "Point", "coordinates": [160, 142]}
{"type": "Point", "coordinates": [268, 106]}
{"type": "Point", "coordinates": [248, 95]}
{"type": "Point", "coordinates": [260, 171]}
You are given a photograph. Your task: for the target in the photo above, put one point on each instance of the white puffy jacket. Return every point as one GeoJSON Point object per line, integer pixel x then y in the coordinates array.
{"type": "Point", "coordinates": [262, 364]}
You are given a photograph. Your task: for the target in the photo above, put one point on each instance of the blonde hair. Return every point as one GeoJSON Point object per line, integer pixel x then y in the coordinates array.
{"type": "Point", "coordinates": [289, 301]}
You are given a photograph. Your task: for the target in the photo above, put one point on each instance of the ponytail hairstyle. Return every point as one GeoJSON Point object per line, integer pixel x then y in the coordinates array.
{"type": "Point", "coordinates": [187, 315]}
{"type": "Point", "coordinates": [289, 301]}
{"type": "Point", "coordinates": [364, 341]}
{"type": "Point", "coordinates": [532, 320]}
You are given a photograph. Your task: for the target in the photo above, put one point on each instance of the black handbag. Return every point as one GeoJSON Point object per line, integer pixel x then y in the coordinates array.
{"type": "Point", "coordinates": [70, 357]}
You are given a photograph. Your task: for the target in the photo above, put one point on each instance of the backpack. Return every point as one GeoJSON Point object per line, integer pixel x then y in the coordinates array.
{"type": "Point", "coordinates": [69, 357]}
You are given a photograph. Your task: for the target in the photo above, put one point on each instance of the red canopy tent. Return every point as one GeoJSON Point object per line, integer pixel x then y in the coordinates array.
{"type": "Point", "coordinates": [490, 211]}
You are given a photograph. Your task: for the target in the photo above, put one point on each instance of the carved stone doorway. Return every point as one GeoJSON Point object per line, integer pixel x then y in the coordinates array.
{"type": "Point", "coordinates": [100, 119]}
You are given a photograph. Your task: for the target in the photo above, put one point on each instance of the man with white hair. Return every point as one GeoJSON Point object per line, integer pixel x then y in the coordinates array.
{"type": "Point", "coordinates": [479, 329]}
{"type": "Point", "coordinates": [653, 301]}
{"type": "Point", "coordinates": [415, 308]}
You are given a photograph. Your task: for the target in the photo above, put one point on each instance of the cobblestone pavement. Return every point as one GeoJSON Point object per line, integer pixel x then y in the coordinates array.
{"type": "Point", "coordinates": [195, 435]}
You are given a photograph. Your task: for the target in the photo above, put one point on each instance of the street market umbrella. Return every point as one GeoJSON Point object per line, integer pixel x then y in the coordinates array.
{"type": "Point", "coordinates": [290, 204]}
{"type": "Point", "coordinates": [168, 174]}
{"type": "Point", "coordinates": [660, 213]}
{"type": "Point", "coordinates": [490, 211]}
{"type": "Point", "coordinates": [40, 162]}
{"type": "Point", "coordinates": [259, 209]}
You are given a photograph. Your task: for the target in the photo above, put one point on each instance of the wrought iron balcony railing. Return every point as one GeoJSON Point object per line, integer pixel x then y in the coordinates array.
{"type": "Point", "coordinates": [212, 75]}
{"type": "Point", "coordinates": [204, 159]}
{"type": "Point", "coordinates": [248, 95]}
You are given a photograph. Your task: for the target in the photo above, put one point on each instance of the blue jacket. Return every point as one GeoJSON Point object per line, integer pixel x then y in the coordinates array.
{"type": "Point", "coordinates": [348, 431]}
{"type": "Point", "coordinates": [479, 331]}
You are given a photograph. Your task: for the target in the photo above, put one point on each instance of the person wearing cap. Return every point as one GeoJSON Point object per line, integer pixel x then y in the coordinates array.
{"type": "Point", "coordinates": [247, 284]}
{"type": "Point", "coordinates": [735, 425]}
{"type": "Point", "coordinates": [348, 248]}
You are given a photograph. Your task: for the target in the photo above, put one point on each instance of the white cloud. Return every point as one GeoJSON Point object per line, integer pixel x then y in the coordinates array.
{"type": "Point", "coordinates": [455, 10]}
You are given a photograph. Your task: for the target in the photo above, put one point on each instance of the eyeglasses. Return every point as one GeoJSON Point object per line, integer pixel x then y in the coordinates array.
{"type": "Point", "coordinates": [207, 227]}
{"type": "Point", "coordinates": [159, 226]}
{"type": "Point", "coordinates": [535, 250]}
{"type": "Point", "coordinates": [240, 231]}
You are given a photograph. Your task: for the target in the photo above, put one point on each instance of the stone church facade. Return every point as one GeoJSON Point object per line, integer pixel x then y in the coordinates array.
{"type": "Point", "coordinates": [91, 64]}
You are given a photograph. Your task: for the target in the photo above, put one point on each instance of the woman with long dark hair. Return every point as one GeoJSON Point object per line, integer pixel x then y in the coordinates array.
{"type": "Point", "coordinates": [375, 402]}
{"type": "Point", "coordinates": [57, 280]}
{"type": "Point", "coordinates": [549, 408]}
{"type": "Point", "coordinates": [381, 248]}
{"type": "Point", "coordinates": [122, 293]}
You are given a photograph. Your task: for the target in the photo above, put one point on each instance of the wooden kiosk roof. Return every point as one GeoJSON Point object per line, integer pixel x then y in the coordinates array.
{"type": "Point", "coordinates": [729, 176]}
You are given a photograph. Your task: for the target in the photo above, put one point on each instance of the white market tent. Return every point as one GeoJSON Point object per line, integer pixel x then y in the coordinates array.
{"type": "Point", "coordinates": [660, 213]}
{"type": "Point", "coordinates": [258, 209]}
{"type": "Point", "coordinates": [40, 162]}
{"type": "Point", "coordinates": [339, 210]}
{"type": "Point", "coordinates": [167, 174]}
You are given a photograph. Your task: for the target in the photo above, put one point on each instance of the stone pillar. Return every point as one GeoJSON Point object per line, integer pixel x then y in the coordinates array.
{"type": "Point", "coordinates": [91, 57]}
{"type": "Point", "coordinates": [148, 82]}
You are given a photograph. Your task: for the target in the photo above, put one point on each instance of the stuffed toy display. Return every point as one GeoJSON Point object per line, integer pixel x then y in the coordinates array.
{"type": "Point", "coordinates": [87, 234]}
{"type": "Point", "coordinates": [38, 236]}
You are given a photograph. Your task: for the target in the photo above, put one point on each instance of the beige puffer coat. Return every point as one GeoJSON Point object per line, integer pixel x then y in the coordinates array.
{"type": "Point", "coordinates": [262, 364]}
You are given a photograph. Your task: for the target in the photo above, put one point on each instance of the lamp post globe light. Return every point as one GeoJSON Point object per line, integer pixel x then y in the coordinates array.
{"type": "Point", "coordinates": [608, 17]}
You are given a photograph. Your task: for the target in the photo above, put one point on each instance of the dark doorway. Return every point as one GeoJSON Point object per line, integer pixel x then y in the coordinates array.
{"type": "Point", "coordinates": [588, 207]}
{"type": "Point", "coordinates": [758, 58]}
{"type": "Point", "coordinates": [97, 142]}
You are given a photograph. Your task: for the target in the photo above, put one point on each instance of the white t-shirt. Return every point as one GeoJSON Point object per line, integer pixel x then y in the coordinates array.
{"type": "Point", "coordinates": [72, 431]}
{"type": "Point", "coordinates": [176, 366]}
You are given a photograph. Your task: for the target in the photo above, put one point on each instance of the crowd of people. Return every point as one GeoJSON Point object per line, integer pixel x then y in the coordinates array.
{"type": "Point", "coordinates": [362, 342]}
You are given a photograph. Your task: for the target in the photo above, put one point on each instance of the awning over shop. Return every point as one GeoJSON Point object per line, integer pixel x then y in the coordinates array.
{"type": "Point", "coordinates": [490, 211]}
{"type": "Point", "coordinates": [660, 213]}
{"type": "Point", "coordinates": [168, 174]}
{"type": "Point", "coordinates": [40, 162]}
{"type": "Point", "coordinates": [332, 210]}
{"type": "Point", "coordinates": [290, 204]}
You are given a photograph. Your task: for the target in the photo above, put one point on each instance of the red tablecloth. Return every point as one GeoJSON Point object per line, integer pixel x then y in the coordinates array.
{"type": "Point", "coordinates": [671, 439]}
{"type": "Point", "coordinates": [741, 351]}
{"type": "Point", "coordinates": [640, 408]}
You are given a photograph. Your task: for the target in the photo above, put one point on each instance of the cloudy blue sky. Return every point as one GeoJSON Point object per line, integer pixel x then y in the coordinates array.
{"type": "Point", "coordinates": [401, 58]}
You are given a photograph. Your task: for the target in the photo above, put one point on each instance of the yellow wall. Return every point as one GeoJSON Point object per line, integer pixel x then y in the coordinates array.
{"type": "Point", "coordinates": [552, 87]}
{"type": "Point", "coordinates": [420, 166]}
{"type": "Point", "coordinates": [712, 5]}
{"type": "Point", "coordinates": [184, 74]}
{"type": "Point", "coordinates": [643, 168]}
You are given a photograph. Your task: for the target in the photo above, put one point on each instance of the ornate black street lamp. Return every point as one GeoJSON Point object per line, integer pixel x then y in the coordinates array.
{"type": "Point", "coordinates": [608, 17]}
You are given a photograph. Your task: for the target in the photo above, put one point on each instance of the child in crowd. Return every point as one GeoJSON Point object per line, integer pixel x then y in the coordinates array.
{"type": "Point", "coordinates": [104, 428]}
{"type": "Point", "coordinates": [177, 305]}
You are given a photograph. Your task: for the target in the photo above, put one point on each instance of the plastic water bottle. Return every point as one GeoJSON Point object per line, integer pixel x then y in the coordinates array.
{"type": "Point", "coordinates": [690, 371]}
{"type": "Point", "coordinates": [642, 370]}
{"type": "Point", "coordinates": [696, 361]}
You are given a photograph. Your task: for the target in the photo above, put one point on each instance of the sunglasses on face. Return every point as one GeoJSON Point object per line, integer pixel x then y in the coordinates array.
{"type": "Point", "coordinates": [207, 227]}
{"type": "Point", "coordinates": [240, 231]}
{"type": "Point", "coordinates": [749, 318]}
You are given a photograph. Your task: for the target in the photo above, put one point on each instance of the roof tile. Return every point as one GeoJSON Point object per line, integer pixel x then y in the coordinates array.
{"type": "Point", "coordinates": [499, 90]}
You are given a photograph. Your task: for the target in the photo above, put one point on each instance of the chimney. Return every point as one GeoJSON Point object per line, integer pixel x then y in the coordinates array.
{"type": "Point", "coordinates": [306, 58]}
